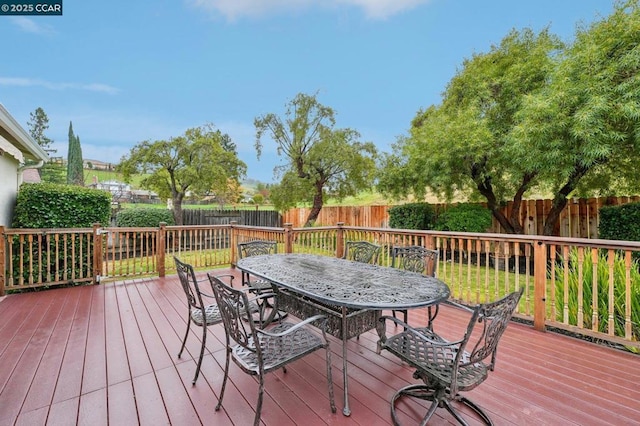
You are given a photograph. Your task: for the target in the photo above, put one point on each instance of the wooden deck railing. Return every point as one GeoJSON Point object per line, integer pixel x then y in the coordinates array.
{"type": "Point", "coordinates": [586, 286]}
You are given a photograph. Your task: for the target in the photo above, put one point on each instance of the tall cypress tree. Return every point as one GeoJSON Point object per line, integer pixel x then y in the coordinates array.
{"type": "Point", "coordinates": [75, 172]}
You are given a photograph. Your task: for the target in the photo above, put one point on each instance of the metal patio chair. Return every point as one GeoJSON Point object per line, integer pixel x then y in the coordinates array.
{"type": "Point", "coordinates": [259, 351]}
{"type": "Point", "coordinates": [448, 368]}
{"type": "Point", "coordinates": [255, 248]}
{"type": "Point", "coordinates": [259, 285]}
{"type": "Point", "coordinates": [200, 314]}
{"type": "Point", "coordinates": [361, 251]}
{"type": "Point", "coordinates": [416, 259]}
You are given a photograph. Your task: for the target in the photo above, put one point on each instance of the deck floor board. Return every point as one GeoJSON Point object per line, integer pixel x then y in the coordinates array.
{"type": "Point", "coordinates": [107, 354]}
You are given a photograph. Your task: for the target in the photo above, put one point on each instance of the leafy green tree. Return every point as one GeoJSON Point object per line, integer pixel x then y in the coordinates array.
{"type": "Point", "coordinates": [321, 160]}
{"type": "Point", "coordinates": [465, 145]}
{"type": "Point", "coordinates": [583, 126]}
{"type": "Point", "coordinates": [264, 190]}
{"type": "Point", "coordinates": [52, 171]}
{"type": "Point", "coordinates": [228, 144]}
{"type": "Point", "coordinates": [38, 124]}
{"type": "Point", "coordinates": [75, 171]}
{"type": "Point", "coordinates": [257, 199]}
{"type": "Point", "coordinates": [530, 114]}
{"type": "Point", "coordinates": [194, 163]}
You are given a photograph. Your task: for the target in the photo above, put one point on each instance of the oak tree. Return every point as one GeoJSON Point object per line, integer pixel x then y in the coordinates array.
{"type": "Point", "coordinates": [195, 163]}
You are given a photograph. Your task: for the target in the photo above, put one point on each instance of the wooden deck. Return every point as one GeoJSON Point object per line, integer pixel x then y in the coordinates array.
{"type": "Point", "coordinates": [106, 354]}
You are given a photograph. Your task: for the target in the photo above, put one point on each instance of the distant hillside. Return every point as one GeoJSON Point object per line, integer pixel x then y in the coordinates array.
{"type": "Point", "coordinates": [97, 165]}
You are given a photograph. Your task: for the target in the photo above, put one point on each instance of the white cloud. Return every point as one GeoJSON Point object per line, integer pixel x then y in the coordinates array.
{"type": "Point", "coordinates": [382, 9]}
{"type": "Point", "coordinates": [234, 9]}
{"type": "Point", "coordinates": [30, 26]}
{"type": "Point", "coordinates": [30, 82]}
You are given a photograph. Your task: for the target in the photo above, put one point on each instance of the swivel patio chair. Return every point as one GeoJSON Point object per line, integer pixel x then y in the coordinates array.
{"type": "Point", "coordinates": [450, 367]}
{"type": "Point", "coordinates": [361, 251]}
{"type": "Point", "coordinates": [200, 314]}
{"type": "Point", "coordinates": [258, 285]}
{"type": "Point", "coordinates": [416, 259]}
{"type": "Point", "coordinates": [259, 351]}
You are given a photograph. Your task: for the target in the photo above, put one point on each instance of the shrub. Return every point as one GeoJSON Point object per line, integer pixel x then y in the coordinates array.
{"type": "Point", "coordinates": [411, 216]}
{"type": "Point", "coordinates": [48, 205]}
{"type": "Point", "coordinates": [602, 278]}
{"type": "Point", "coordinates": [144, 218]}
{"type": "Point", "coordinates": [464, 218]}
{"type": "Point", "coordinates": [620, 222]}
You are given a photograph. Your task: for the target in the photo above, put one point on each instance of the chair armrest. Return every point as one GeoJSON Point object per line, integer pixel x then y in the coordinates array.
{"type": "Point", "coordinates": [394, 319]}
{"type": "Point", "coordinates": [436, 340]}
{"type": "Point", "coordinates": [231, 278]}
{"type": "Point", "coordinates": [211, 284]}
{"type": "Point", "coordinates": [457, 305]}
{"type": "Point", "coordinates": [295, 327]}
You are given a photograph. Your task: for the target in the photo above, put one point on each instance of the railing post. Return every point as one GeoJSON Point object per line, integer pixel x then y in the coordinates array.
{"type": "Point", "coordinates": [539, 285]}
{"type": "Point", "coordinates": [162, 238]}
{"type": "Point", "coordinates": [288, 237]}
{"type": "Point", "coordinates": [97, 253]}
{"type": "Point", "coordinates": [234, 243]}
{"type": "Point", "coordinates": [3, 260]}
{"type": "Point", "coordinates": [340, 239]}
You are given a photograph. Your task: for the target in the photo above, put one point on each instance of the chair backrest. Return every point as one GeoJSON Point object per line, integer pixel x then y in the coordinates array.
{"type": "Point", "coordinates": [234, 309]}
{"type": "Point", "coordinates": [415, 259]}
{"type": "Point", "coordinates": [493, 319]}
{"type": "Point", "coordinates": [189, 283]}
{"type": "Point", "coordinates": [257, 247]}
{"type": "Point", "coordinates": [361, 251]}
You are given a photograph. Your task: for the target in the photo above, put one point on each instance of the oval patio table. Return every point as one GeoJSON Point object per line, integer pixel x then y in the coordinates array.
{"type": "Point", "coordinates": [351, 294]}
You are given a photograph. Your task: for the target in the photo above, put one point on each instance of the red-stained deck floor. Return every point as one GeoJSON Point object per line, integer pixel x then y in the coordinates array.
{"type": "Point", "coordinates": [107, 354]}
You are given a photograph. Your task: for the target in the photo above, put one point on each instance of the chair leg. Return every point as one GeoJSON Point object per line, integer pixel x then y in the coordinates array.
{"type": "Point", "coordinates": [204, 344]}
{"type": "Point", "coordinates": [184, 341]}
{"type": "Point", "coordinates": [420, 391]}
{"type": "Point", "coordinates": [332, 401]}
{"type": "Point", "coordinates": [432, 313]}
{"type": "Point", "coordinates": [472, 405]}
{"type": "Point", "coordinates": [256, 421]}
{"type": "Point", "coordinates": [224, 379]}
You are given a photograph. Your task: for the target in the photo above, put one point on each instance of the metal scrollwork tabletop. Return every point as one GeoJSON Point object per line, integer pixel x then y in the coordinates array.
{"type": "Point", "coordinates": [347, 283]}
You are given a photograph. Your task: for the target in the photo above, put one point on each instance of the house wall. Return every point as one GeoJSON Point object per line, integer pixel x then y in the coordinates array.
{"type": "Point", "coordinates": [8, 188]}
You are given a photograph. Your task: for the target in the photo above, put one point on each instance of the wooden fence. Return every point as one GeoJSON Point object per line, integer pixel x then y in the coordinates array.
{"type": "Point", "coordinates": [267, 218]}
{"type": "Point", "coordinates": [579, 219]}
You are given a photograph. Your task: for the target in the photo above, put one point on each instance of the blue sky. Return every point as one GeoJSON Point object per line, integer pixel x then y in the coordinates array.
{"type": "Point", "coordinates": [128, 71]}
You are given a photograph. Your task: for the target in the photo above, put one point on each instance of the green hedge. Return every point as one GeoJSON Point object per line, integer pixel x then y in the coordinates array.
{"type": "Point", "coordinates": [144, 217]}
{"type": "Point", "coordinates": [464, 218]}
{"type": "Point", "coordinates": [412, 216]}
{"type": "Point", "coordinates": [620, 222]}
{"type": "Point", "coordinates": [48, 205]}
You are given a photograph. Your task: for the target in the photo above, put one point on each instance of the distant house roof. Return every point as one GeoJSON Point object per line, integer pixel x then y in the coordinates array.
{"type": "Point", "coordinates": [15, 141]}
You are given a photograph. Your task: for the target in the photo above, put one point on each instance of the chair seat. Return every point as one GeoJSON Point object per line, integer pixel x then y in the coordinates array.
{"type": "Point", "coordinates": [435, 361]}
{"type": "Point", "coordinates": [212, 313]}
{"type": "Point", "coordinates": [276, 351]}
{"type": "Point", "coordinates": [260, 285]}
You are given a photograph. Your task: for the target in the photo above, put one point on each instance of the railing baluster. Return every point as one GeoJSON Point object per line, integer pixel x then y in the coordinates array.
{"type": "Point", "coordinates": [559, 296]}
